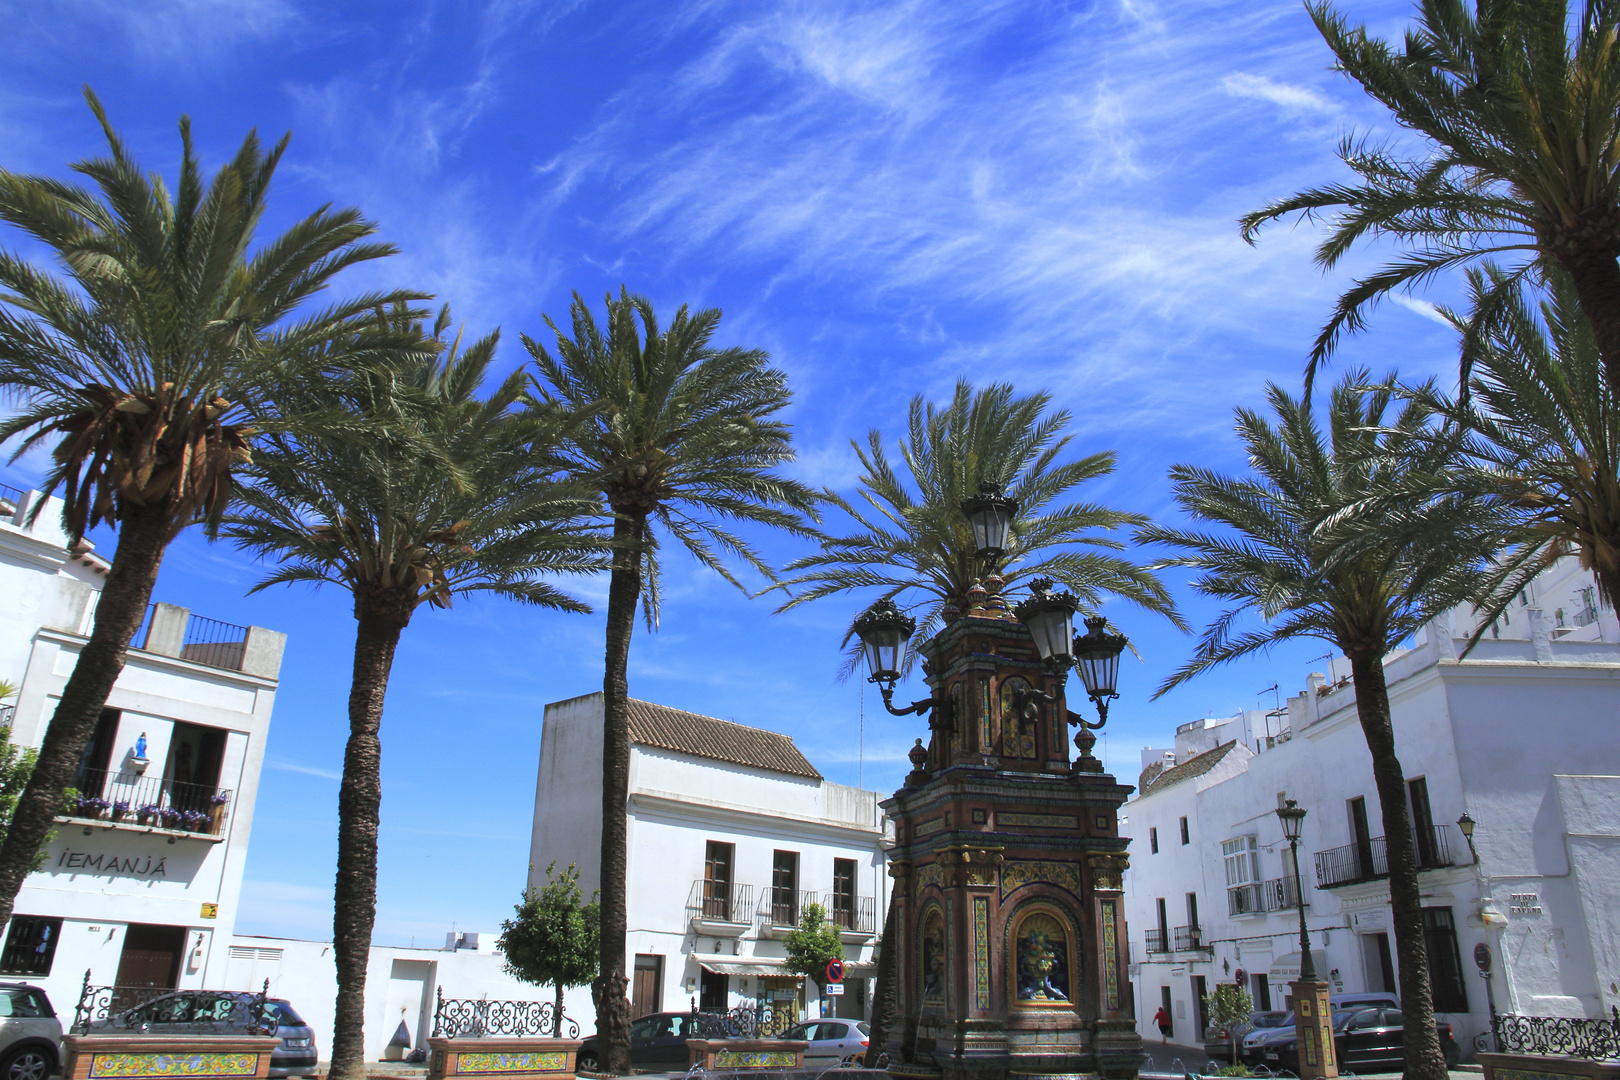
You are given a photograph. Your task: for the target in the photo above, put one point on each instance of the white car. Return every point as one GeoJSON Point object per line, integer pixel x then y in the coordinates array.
{"type": "Point", "coordinates": [831, 1041]}
{"type": "Point", "coordinates": [30, 1033]}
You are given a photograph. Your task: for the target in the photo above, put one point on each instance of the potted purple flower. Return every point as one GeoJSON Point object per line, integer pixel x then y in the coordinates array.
{"type": "Point", "coordinates": [172, 818]}
{"type": "Point", "coordinates": [194, 821]}
{"type": "Point", "coordinates": [92, 806]}
{"type": "Point", "coordinates": [120, 810]}
{"type": "Point", "coordinates": [149, 814]}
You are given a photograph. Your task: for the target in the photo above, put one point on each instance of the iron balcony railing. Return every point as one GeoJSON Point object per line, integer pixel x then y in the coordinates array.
{"type": "Point", "coordinates": [782, 907]}
{"type": "Point", "coordinates": [1367, 861]}
{"type": "Point", "coordinates": [1156, 942]}
{"type": "Point", "coordinates": [1189, 938]}
{"type": "Point", "coordinates": [149, 800]}
{"type": "Point", "coordinates": [1278, 894]}
{"type": "Point", "coordinates": [720, 901]}
{"type": "Point", "coordinates": [857, 914]}
{"type": "Point", "coordinates": [217, 644]}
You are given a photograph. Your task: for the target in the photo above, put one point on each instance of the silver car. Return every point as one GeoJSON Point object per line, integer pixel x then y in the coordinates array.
{"type": "Point", "coordinates": [831, 1041]}
{"type": "Point", "coordinates": [30, 1033]}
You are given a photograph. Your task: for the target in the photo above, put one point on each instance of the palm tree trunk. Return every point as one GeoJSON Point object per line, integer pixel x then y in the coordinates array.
{"type": "Point", "coordinates": [1424, 1059]}
{"type": "Point", "coordinates": [1597, 286]}
{"type": "Point", "coordinates": [608, 991]}
{"type": "Point", "coordinates": [354, 909]}
{"type": "Point", "coordinates": [143, 536]}
{"type": "Point", "coordinates": [883, 993]}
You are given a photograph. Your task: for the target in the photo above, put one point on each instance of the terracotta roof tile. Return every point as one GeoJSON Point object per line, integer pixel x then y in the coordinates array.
{"type": "Point", "coordinates": [720, 740]}
{"type": "Point", "coordinates": [1196, 766]}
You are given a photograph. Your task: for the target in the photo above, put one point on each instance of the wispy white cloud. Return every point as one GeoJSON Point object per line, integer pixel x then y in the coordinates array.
{"type": "Point", "coordinates": [185, 30]}
{"type": "Point", "coordinates": [1259, 87]}
{"type": "Point", "coordinates": [1420, 307]}
{"type": "Point", "coordinates": [304, 770]}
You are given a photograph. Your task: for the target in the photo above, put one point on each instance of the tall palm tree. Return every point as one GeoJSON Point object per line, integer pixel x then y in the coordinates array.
{"type": "Point", "coordinates": [680, 438]}
{"type": "Point", "coordinates": [146, 369]}
{"type": "Point", "coordinates": [447, 493]}
{"type": "Point", "coordinates": [1517, 103]}
{"type": "Point", "coordinates": [1305, 554]}
{"type": "Point", "coordinates": [1547, 433]}
{"type": "Point", "coordinates": [914, 542]}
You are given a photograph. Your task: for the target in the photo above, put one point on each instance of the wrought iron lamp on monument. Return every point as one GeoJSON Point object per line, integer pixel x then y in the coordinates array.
{"type": "Point", "coordinates": [1010, 941]}
{"type": "Point", "coordinates": [1313, 1018]}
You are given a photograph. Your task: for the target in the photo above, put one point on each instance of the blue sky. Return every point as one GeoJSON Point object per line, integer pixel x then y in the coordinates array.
{"type": "Point", "coordinates": [885, 196]}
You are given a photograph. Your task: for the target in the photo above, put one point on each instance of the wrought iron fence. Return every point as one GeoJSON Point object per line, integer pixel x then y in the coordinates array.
{"type": "Point", "coordinates": [217, 644]}
{"type": "Point", "coordinates": [11, 498]}
{"type": "Point", "coordinates": [1156, 942]}
{"type": "Point", "coordinates": [113, 795]}
{"type": "Point", "coordinates": [163, 1010]}
{"type": "Point", "coordinates": [1571, 1036]}
{"type": "Point", "coordinates": [857, 913]}
{"type": "Point", "coordinates": [743, 1022]}
{"type": "Point", "coordinates": [1189, 938]}
{"type": "Point", "coordinates": [478, 1017]}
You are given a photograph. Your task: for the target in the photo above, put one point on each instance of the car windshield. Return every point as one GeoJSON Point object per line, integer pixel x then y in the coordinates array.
{"type": "Point", "coordinates": [284, 1014]}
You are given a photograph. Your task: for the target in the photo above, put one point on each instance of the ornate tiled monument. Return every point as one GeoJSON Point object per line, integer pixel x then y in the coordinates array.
{"type": "Point", "coordinates": [1010, 926]}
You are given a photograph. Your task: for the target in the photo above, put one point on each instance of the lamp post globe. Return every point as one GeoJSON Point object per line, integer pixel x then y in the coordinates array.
{"type": "Point", "coordinates": [1049, 618]}
{"type": "Point", "coordinates": [884, 630]}
{"type": "Point", "coordinates": [990, 513]}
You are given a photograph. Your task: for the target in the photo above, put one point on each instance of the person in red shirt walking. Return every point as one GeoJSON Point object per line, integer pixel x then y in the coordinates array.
{"type": "Point", "coordinates": [1162, 1018]}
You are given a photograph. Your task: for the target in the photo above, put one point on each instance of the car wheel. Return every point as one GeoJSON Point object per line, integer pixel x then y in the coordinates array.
{"type": "Point", "coordinates": [27, 1063]}
{"type": "Point", "coordinates": [587, 1062]}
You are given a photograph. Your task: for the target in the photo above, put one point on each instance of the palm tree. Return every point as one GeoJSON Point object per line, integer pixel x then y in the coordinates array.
{"type": "Point", "coordinates": [914, 542]}
{"type": "Point", "coordinates": [448, 493]}
{"type": "Point", "coordinates": [1521, 124]}
{"type": "Point", "coordinates": [1547, 433]}
{"type": "Point", "coordinates": [146, 369]}
{"type": "Point", "coordinates": [1310, 557]}
{"type": "Point", "coordinates": [680, 437]}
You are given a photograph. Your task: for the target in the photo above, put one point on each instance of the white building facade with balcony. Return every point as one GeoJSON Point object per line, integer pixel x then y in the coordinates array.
{"type": "Point", "coordinates": [1519, 735]}
{"type": "Point", "coordinates": [732, 832]}
{"type": "Point", "coordinates": [140, 882]}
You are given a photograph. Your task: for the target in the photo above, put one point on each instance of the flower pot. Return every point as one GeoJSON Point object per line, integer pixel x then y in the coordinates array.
{"type": "Point", "coordinates": [216, 819]}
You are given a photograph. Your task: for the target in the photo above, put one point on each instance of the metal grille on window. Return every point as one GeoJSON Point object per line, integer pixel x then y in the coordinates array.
{"type": "Point", "coordinates": [30, 945]}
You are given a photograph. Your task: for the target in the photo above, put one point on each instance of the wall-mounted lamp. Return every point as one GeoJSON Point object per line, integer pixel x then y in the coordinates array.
{"type": "Point", "coordinates": [1466, 824]}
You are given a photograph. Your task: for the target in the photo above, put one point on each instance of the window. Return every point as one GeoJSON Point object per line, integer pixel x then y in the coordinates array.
{"type": "Point", "coordinates": [30, 945]}
{"type": "Point", "coordinates": [1153, 841]}
{"type": "Point", "coordinates": [1242, 859]}
{"type": "Point", "coordinates": [96, 760]}
{"type": "Point", "coordinates": [843, 894]}
{"type": "Point", "coordinates": [785, 888]}
{"type": "Point", "coordinates": [1445, 961]}
{"type": "Point", "coordinates": [717, 880]}
{"type": "Point", "coordinates": [1185, 837]}
{"type": "Point", "coordinates": [1423, 822]}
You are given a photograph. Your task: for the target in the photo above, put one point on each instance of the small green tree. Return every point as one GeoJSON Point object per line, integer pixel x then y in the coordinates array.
{"type": "Point", "coordinates": [812, 945]}
{"type": "Point", "coordinates": [554, 938]}
{"type": "Point", "coordinates": [1229, 1007]}
{"type": "Point", "coordinates": [16, 765]}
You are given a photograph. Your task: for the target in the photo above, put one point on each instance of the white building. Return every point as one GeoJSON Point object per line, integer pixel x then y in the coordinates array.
{"type": "Point", "coordinates": [132, 897]}
{"type": "Point", "coordinates": [731, 833]}
{"type": "Point", "coordinates": [1520, 735]}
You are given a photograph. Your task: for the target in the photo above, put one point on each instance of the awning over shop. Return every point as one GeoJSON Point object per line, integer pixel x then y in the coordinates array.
{"type": "Point", "coordinates": [726, 964]}
{"type": "Point", "coordinates": [1286, 967]}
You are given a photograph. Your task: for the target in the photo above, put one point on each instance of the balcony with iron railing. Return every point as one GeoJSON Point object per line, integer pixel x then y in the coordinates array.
{"type": "Point", "coordinates": [1157, 941]}
{"type": "Point", "coordinates": [720, 909]}
{"type": "Point", "coordinates": [130, 800]}
{"type": "Point", "coordinates": [1263, 897]}
{"type": "Point", "coordinates": [780, 909]}
{"type": "Point", "coordinates": [855, 916]}
{"type": "Point", "coordinates": [1189, 938]}
{"type": "Point", "coordinates": [1369, 861]}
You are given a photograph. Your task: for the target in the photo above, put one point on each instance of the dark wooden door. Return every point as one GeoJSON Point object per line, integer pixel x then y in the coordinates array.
{"type": "Point", "coordinates": [151, 956]}
{"type": "Point", "coordinates": [644, 992]}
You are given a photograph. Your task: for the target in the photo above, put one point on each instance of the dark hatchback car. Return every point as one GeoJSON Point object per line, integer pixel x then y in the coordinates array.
{"type": "Point", "coordinates": [657, 1044]}
{"type": "Point", "coordinates": [224, 1012]}
{"type": "Point", "coordinates": [1364, 1040]}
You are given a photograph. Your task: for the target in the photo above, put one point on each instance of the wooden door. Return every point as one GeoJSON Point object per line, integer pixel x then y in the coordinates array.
{"type": "Point", "coordinates": [644, 991]}
{"type": "Point", "coordinates": [151, 956]}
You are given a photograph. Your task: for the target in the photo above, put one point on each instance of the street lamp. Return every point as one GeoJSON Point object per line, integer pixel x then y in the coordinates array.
{"type": "Point", "coordinates": [1049, 618]}
{"type": "Point", "coordinates": [1293, 823]}
{"type": "Point", "coordinates": [1097, 656]}
{"type": "Point", "coordinates": [884, 630]}
{"type": "Point", "coordinates": [1466, 824]}
{"type": "Point", "coordinates": [991, 514]}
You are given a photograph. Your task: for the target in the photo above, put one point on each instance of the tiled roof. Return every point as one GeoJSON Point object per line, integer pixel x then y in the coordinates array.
{"type": "Point", "coordinates": [1192, 767]}
{"type": "Point", "coordinates": [719, 740]}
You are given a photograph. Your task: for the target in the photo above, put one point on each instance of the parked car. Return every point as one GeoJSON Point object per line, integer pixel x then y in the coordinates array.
{"type": "Point", "coordinates": [30, 1033]}
{"type": "Point", "coordinates": [1364, 1040]}
{"type": "Point", "coordinates": [223, 1012]}
{"type": "Point", "coordinates": [1218, 1040]}
{"type": "Point", "coordinates": [831, 1041]}
{"type": "Point", "coordinates": [1256, 1042]}
{"type": "Point", "coordinates": [657, 1043]}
